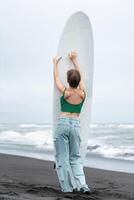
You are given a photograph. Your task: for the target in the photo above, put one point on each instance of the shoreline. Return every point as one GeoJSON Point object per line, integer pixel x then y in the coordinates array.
{"type": "Point", "coordinates": [24, 177]}
{"type": "Point", "coordinates": [92, 160]}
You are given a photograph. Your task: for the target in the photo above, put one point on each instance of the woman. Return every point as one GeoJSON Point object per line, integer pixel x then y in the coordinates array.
{"type": "Point", "coordinates": [67, 138]}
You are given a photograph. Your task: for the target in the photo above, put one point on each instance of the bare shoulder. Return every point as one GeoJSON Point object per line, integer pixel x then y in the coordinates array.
{"type": "Point", "coordinates": [67, 93]}
{"type": "Point", "coordinates": [82, 92]}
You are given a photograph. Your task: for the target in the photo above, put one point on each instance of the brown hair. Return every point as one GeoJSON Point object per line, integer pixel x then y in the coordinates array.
{"type": "Point", "coordinates": [73, 77]}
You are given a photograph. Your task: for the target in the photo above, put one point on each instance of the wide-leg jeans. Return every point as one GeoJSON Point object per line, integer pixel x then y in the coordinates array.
{"type": "Point", "coordinates": [69, 165]}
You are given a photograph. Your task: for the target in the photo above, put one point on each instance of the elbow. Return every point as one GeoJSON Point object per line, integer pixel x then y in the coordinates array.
{"type": "Point", "coordinates": [55, 77]}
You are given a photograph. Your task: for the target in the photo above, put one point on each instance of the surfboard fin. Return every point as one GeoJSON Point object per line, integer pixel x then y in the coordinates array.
{"type": "Point", "coordinates": [54, 165]}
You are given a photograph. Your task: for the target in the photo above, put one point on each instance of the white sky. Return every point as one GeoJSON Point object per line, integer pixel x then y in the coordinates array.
{"type": "Point", "coordinates": [29, 34]}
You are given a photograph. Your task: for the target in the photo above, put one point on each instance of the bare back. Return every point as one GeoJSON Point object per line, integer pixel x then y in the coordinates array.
{"type": "Point", "coordinates": [74, 97]}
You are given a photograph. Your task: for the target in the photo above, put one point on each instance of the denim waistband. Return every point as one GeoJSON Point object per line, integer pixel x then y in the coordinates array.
{"type": "Point", "coordinates": [69, 118]}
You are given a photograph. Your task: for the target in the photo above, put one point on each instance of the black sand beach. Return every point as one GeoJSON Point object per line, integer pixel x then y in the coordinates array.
{"type": "Point", "coordinates": [27, 178]}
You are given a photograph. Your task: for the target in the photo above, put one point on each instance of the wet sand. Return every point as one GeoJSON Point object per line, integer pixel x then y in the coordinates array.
{"type": "Point", "coordinates": [28, 178]}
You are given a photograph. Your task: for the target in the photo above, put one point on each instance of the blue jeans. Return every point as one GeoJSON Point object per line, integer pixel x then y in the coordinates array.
{"type": "Point", "coordinates": [69, 165]}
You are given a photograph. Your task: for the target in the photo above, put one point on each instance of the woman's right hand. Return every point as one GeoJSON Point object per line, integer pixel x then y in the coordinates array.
{"type": "Point", "coordinates": [72, 55]}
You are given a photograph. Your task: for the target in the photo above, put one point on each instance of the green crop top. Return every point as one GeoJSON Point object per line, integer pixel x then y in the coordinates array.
{"type": "Point", "coordinates": [69, 107]}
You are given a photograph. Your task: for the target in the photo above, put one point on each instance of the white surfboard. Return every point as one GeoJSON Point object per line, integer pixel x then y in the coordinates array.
{"type": "Point", "coordinates": [77, 35]}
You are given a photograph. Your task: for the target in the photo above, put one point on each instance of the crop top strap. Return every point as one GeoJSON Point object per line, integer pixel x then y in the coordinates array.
{"type": "Point", "coordinates": [64, 91]}
{"type": "Point", "coordinates": [84, 93]}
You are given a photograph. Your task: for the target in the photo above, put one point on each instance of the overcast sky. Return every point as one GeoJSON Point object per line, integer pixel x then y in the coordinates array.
{"type": "Point", "coordinates": [29, 34]}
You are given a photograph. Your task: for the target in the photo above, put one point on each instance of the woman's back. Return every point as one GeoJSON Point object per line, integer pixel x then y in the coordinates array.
{"type": "Point", "coordinates": [72, 101]}
{"type": "Point", "coordinates": [74, 96]}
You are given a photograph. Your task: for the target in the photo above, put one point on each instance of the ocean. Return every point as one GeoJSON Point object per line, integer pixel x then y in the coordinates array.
{"type": "Point", "coordinates": [110, 145]}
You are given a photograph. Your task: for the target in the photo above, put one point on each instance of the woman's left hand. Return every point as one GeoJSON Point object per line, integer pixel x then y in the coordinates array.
{"type": "Point", "coordinates": [56, 60]}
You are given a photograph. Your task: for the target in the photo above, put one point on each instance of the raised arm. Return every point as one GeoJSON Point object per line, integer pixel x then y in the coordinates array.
{"type": "Point", "coordinates": [72, 57]}
{"type": "Point", "coordinates": [55, 63]}
{"type": "Point", "coordinates": [57, 80]}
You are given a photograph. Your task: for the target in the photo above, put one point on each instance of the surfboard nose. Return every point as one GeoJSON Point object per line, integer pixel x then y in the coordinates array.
{"type": "Point", "coordinates": [77, 21]}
